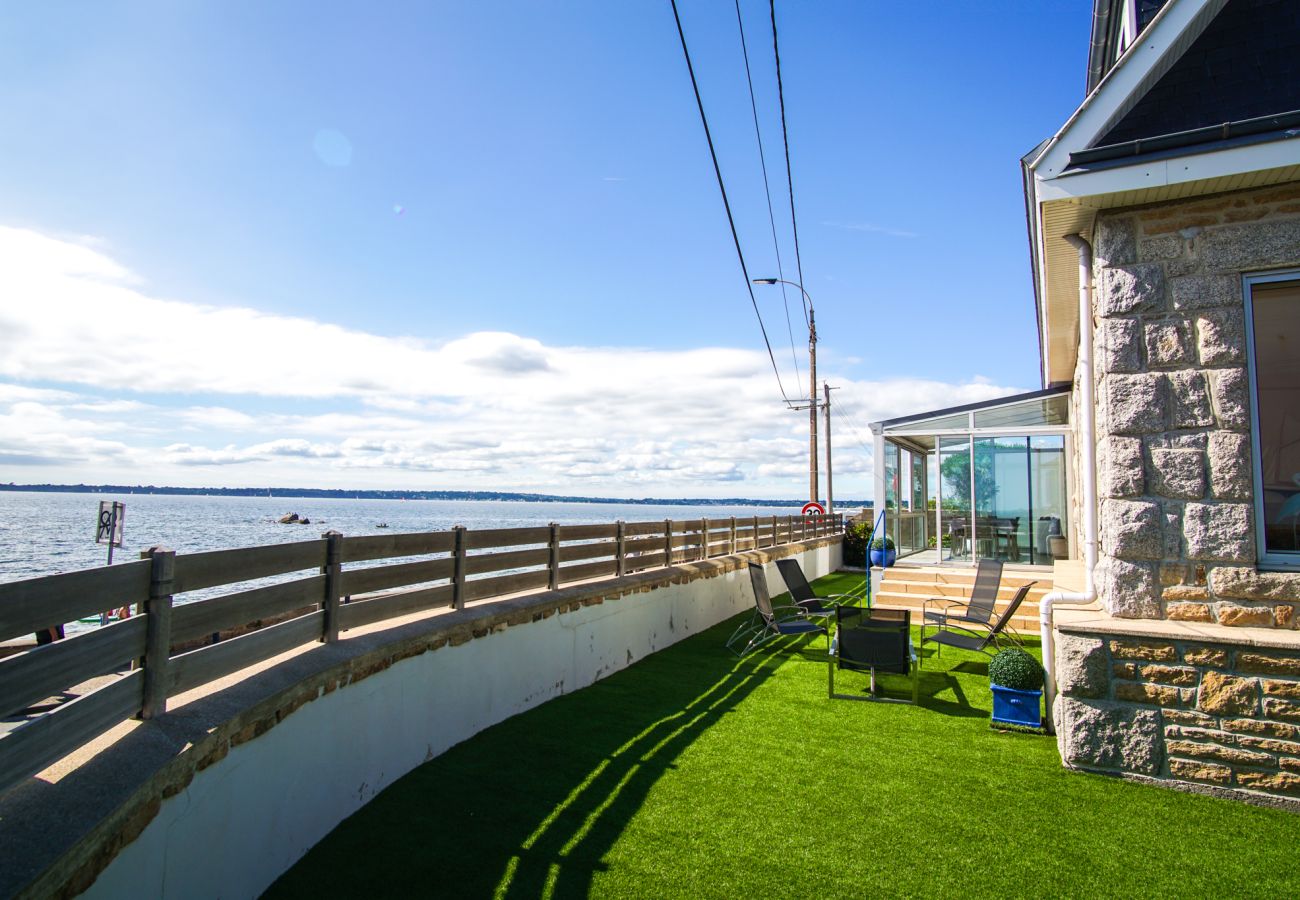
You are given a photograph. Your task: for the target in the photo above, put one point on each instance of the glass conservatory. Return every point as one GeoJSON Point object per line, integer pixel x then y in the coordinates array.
{"type": "Point", "coordinates": [988, 479]}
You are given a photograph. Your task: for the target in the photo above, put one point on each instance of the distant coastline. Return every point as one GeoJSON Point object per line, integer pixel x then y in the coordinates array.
{"type": "Point", "coordinates": [338, 494]}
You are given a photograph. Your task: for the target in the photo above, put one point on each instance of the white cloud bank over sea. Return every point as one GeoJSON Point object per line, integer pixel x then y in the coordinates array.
{"type": "Point", "coordinates": [100, 381]}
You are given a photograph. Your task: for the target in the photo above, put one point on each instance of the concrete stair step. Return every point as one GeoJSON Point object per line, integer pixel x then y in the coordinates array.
{"type": "Point", "coordinates": [913, 601]}
{"type": "Point", "coordinates": [908, 587]}
{"type": "Point", "coordinates": [1024, 621]}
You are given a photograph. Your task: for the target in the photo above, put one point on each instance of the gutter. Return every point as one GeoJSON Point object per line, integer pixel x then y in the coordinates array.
{"type": "Point", "coordinates": [1087, 441]}
{"type": "Point", "coordinates": [1262, 128]}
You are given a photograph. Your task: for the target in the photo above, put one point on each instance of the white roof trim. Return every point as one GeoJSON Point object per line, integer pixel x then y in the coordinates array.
{"type": "Point", "coordinates": [1173, 29]}
{"type": "Point", "coordinates": [1198, 166]}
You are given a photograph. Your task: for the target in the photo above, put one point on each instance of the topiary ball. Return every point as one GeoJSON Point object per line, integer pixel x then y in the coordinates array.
{"type": "Point", "coordinates": [1014, 668]}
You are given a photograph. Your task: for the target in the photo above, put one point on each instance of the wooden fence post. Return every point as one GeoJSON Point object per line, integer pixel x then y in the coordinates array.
{"type": "Point", "coordinates": [774, 540]}
{"type": "Point", "coordinates": [704, 538]}
{"type": "Point", "coordinates": [668, 542]}
{"type": "Point", "coordinates": [553, 563]}
{"type": "Point", "coordinates": [731, 537]}
{"type": "Point", "coordinates": [620, 541]}
{"type": "Point", "coordinates": [754, 545]}
{"type": "Point", "coordinates": [458, 568]}
{"type": "Point", "coordinates": [333, 572]}
{"type": "Point", "coordinates": [158, 630]}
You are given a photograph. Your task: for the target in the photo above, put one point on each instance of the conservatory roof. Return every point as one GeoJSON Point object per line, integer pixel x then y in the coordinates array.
{"type": "Point", "coordinates": [1046, 410]}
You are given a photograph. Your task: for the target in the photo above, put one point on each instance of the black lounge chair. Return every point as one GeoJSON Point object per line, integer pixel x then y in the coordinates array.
{"type": "Point", "coordinates": [951, 634]}
{"type": "Point", "coordinates": [978, 608]}
{"type": "Point", "coordinates": [769, 621]}
{"type": "Point", "coordinates": [876, 640]}
{"type": "Point", "coordinates": [801, 591]}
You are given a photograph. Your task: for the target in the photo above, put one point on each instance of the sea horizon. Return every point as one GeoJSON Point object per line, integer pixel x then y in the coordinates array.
{"type": "Point", "coordinates": [273, 491]}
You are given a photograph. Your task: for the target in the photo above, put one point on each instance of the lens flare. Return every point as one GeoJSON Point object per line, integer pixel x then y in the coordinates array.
{"type": "Point", "coordinates": [332, 148]}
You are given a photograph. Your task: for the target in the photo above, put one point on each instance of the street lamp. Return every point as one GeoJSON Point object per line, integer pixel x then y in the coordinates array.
{"type": "Point", "coordinates": [812, 384]}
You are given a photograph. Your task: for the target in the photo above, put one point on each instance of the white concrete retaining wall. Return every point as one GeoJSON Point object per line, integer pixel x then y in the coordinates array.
{"type": "Point", "coordinates": [243, 821]}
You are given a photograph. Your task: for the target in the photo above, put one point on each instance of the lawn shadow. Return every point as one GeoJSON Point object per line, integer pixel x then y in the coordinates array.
{"type": "Point", "coordinates": [532, 805]}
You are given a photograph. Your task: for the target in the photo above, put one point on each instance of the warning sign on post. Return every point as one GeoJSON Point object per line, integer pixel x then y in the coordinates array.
{"type": "Point", "coordinates": [112, 520]}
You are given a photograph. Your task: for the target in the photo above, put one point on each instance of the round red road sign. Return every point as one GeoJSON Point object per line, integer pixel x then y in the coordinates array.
{"type": "Point", "coordinates": [813, 508]}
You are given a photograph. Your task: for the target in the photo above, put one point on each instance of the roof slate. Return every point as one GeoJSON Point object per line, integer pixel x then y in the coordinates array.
{"type": "Point", "coordinates": [1246, 64]}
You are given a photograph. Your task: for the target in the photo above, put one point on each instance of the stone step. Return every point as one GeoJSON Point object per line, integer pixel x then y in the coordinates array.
{"type": "Point", "coordinates": [918, 600]}
{"type": "Point", "coordinates": [1010, 577]}
{"type": "Point", "coordinates": [909, 587]}
{"type": "Point", "coordinates": [1025, 620]}
{"type": "Point", "coordinates": [931, 589]}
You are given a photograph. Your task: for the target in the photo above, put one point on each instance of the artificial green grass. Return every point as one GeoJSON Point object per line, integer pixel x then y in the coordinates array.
{"type": "Point", "coordinates": [693, 774]}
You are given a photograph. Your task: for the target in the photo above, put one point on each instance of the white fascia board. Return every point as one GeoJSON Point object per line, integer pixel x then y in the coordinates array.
{"type": "Point", "coordinates": [1175, 170]}
{"type": "Point", "coordinates": [1126, 77]}
{"type": "Point", "coordinates": [1040, 284]}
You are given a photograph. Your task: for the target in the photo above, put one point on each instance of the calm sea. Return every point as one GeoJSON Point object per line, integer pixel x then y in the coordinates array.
{"type": "Point", "coordinates": [41, 534]}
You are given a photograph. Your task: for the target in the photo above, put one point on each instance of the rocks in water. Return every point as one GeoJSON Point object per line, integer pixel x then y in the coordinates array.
{"type": "Point", "coordinates": [292, 519]}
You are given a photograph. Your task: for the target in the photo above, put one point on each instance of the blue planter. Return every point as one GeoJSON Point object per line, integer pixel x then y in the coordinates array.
{"type": "Point", "coordinates": [883, 557]}
{"type": "Point", "coordinates": [1013, 707]}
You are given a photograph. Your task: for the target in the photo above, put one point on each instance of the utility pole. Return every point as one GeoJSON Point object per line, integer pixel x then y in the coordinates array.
{"type": "Point", "coordinates": [812, 384]}
{"type": "Point", "coordinates": [830, 497]}
{"type": "Point", "coordinates": [812, 403]}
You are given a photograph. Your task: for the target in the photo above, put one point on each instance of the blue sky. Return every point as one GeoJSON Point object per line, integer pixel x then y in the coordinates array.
{"type": "Point", "coordinates": [480, 244]}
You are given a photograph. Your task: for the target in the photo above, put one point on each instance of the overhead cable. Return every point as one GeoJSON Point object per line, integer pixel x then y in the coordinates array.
{"type": "Point", "coordinates": [849, 425]}
{"type": "Point", "coordinates": [767, 190]}
{"type": "Point", "coordinates": [785, 139]}
{"type": "Point", "coordinates": [717, 171]}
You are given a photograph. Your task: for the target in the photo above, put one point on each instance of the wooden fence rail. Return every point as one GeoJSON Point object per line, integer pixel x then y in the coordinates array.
{"type": "Point", "coordinates": [320, 593]}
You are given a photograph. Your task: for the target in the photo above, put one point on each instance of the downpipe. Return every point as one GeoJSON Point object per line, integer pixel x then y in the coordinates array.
{"type": "Point", "coordinates": [1087, 440]}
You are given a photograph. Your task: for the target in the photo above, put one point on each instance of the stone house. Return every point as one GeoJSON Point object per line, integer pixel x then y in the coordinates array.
{"type": "Point", "coordinates": [1164, 221]}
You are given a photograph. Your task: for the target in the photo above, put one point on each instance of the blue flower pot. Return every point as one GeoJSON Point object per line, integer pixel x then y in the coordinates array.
{"type": "Point", "coordinates": [1013, 707]}
{"type": "Point", "coordinates": [883, 557]}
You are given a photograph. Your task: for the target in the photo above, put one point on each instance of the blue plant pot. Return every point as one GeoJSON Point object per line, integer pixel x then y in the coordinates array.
{"type": "Point", "coordinates": [883, 557]}
{"type": "Point", "coordinates": [1013, 707]}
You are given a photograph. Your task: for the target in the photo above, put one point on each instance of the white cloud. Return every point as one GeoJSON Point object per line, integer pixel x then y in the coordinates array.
{"type": "Point", "coordinates": [490, 410]}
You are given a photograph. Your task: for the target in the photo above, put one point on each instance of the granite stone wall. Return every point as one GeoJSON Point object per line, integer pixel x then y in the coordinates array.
{"type": "Point", "coordinates": [1174, 468]}
{"type": "Point", "coordinates": [1212, 715]}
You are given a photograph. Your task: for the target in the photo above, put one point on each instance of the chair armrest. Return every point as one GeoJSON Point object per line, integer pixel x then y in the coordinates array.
{"type": "Point", "coordinates": [943, 601]}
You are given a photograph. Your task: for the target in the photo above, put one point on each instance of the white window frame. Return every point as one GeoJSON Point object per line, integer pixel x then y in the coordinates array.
{"type": "Point", "coordinates": [1277, 560]}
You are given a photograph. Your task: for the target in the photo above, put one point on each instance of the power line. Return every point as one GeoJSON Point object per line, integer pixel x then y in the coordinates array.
{"type": "Point", "coordinates": [853, 431]}
{"type": "Point", "coordinates": [785, 139]}
{"type": "Point", "coordinates": [717, 171]}
{"type": "Point", "coordinates": [767, 189]}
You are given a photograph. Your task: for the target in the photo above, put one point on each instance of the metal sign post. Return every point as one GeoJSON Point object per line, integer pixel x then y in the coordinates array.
{"type": "Point", "coordinates": [108, 530]}
{"type": "Point", "coordinates": [110, 524]}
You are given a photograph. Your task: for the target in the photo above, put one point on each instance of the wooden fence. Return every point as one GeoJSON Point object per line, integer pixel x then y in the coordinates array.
{"type": "Point", "coordinates": [339, 583]}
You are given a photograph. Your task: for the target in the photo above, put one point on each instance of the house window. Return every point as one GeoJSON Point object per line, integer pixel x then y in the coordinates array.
{"type": "Point", "coordinates": [1273, 341]}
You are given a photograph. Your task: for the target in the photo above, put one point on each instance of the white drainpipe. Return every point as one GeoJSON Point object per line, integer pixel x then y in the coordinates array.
{"type": "Point", "coordinates": [1087, 441]}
